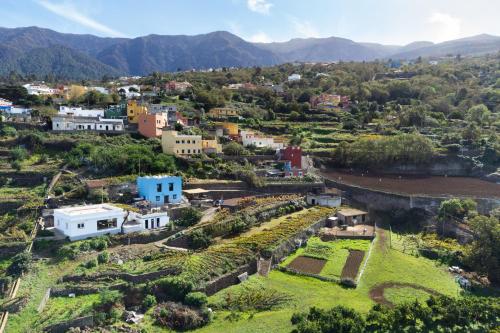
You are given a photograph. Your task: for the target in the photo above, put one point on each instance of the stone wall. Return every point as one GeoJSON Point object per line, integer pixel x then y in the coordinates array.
{"type": "Point", "coordinates": [63, 327]}
{"type": "Point", "coordinates": [11, 249]}
{"type": "Point", "coordinates": [133, 278]}
{"type": "Point", "coordinates": [290, 187]}
{"type": "Point", "coordinates": [229, 279]}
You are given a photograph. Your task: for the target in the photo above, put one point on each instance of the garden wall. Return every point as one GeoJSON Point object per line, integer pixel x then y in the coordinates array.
{"type": "Point", "coordinates": [63, 327]}
{"type": "Point", "coordinates": [134, 278]}
{"type": "Point", "coordinates": [11, 249]}
{"type": "Point", "coordinates": [290, 187]}
{"type": "Point", "coordinates": [229, 279]}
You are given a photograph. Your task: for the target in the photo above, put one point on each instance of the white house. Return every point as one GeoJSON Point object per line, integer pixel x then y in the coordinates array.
{"type": "Point", "coordinates": [130, 94]}
{"type": "Point", "coordinates": [249, 138]}
{"type": "Point", "coordinates": [82, 222]}
{"type": "Point", "coordinates": [101, 90]}
{"type": "Point", "coordinates": [323, 199]}
{"type": "Point", "coordinates": [294, 77]}
{"type": "Point", "coordinates": [39, 89]}
{"type": "Point", "coordinates": [79, 112]}
{"type": "Point", "coordinates": [70, 123]}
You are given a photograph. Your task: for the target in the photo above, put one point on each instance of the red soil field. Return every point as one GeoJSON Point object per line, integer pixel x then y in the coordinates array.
{"type": "Point", "coordinates": [429, 185]}
{"type": "Point", "coordinates": [307, 265]}
{"type": "Point", "coordinates": [351, 267]}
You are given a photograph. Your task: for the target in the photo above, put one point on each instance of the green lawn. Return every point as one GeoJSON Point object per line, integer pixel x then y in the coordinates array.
{"type": "Point", "coordinates": [384, 265]}
{"type": "Point", "coordinates": [34, 285]}
{"type": "Point", "coordinates": [334, 252]}
{"type": "Point", "coordinates": [405, 294]}
{"type": "Point", "coordinates": [60, 309]}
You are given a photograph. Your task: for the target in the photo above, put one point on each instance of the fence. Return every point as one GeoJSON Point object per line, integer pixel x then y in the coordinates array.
{"type": "Point", "coordinates": [44, 301]}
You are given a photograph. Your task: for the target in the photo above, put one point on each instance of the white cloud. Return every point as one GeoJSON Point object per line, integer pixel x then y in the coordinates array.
{"type": "Point", "coordinates": [444, 26]}
{"type": "Point", "coordinates": [69, 12]}
{"type": "Point", "coordinates": [304, 28]}
{"type": "Point", "coordinates": [259, 6]}
{"type": "Point", "coordinates": [260, 37]}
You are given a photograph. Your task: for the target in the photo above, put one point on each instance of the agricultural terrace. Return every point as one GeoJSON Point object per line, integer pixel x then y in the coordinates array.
{"type": "Point", "coordinates": [384, 265]}
{"type": "Point", "coordinates": [333, 255]}
{"type": "Point", "coordinates": [428, 185]}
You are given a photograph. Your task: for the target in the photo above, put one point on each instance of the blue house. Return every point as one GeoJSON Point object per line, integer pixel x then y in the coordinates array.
{"type": "Point", "coordinates": [159, 190]}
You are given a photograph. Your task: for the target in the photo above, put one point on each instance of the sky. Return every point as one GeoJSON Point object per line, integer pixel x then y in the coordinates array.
{"type": "Point", "coordinates": [381, 21]}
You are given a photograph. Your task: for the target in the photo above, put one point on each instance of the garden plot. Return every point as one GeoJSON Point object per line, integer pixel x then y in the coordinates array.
{"type": "Point", "coordinates": [332, 254]}
{"type": "Point", "coordinates": [307, 265]}
{"type": "Point", "coordinates": [352, 264]}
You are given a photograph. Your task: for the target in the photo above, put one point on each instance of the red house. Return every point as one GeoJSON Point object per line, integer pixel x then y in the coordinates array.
{"type": "Point", "coordinates": [292, 154]}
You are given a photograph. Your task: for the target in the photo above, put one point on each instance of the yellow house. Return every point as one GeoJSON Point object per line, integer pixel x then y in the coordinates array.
{"type": "Point", "coordinates": [231, 128]}
{"type": "Point", "coordinates": [222, 113]}
{"type": "Point", "coordinates": [134, 109]}
{"type": "Point", "coordinates": [180, 144]}
{"type": "Point", "coordinates": [211, 146]}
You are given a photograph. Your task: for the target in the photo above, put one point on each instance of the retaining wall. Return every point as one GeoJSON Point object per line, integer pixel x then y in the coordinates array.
{"type": "Point", "coordinates": [63, 327]}
{"type": "Point", "coordinates": [133, 278]}
{"type": "Point", "coordinates": [380, 200]}
{"type": "Point", "coordinates": [229, 279]}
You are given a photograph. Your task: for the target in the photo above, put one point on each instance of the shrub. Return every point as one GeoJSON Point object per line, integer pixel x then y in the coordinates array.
{"type": "Point", "coordinates": [198, 239]}
{"type": "Point", "coordinates": [18, 154]}
{"type": "Point", "coordinates": [85, 246]}
{"type": "Point", "coordinates": [16, 165]}
{"type": "Point", "coordinates": [91, 263]}
{"type": "Point", "coordinates": [68, 252]}
{"type": "Point", "coordinates": [179, 317]}
{"type": "Point", "coordinates": [196, 298]}
{"type": "Point", "coordinates": [189, 217]}
{"type": "Point", "coordinates": [174, 288]}
{"type": "Point", "coordinates": [148, 301]}
{"type": "Point", "coordinates": [103, 258]}
{"type": "Point", "coordinates": [21, 263]}
{"type": "Point", "coordinates": [8, 131]}
{"type": "Point", "coordinates": [99, 244]}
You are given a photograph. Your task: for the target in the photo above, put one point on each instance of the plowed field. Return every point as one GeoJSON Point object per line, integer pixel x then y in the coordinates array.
{"type": "Point", "coordinates": [307, 265]}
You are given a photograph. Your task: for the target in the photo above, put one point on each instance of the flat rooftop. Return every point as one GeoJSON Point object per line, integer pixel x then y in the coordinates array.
{"type": "Point", "coordinates": [88, 209]}
{"type": "Point", "coordinates": [351, 212]}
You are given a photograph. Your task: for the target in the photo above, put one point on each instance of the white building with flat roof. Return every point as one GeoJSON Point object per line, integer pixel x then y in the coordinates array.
{"type": "Point", "coordinates": [39, 89]}
{"type": "Point", "coordinates": [70, 123]}
{"type": "Point", "coordinates": [81, 222]}
{"type": "Point", "coordinates": [79, 112]}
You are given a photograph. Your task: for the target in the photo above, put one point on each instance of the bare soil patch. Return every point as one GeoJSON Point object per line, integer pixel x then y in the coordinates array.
{"type": "Point", "coordinates": [351, 267]}
{"type": "Point", "coordinates": [307, 265]}
{"type": "Point", "coordinates": [377, 292]}
{"type": "Point", "coordinates": [428, 185]}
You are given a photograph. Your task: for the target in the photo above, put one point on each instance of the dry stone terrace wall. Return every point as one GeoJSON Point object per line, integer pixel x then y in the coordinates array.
{"type": "Point", "coordinates": [133, 278]}
{"type": "Point", "coordinates": [63, 327]}
{"type": "Point", "coordinates": [229, 279]}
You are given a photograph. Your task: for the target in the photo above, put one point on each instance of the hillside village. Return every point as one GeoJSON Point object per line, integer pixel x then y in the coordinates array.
{"type": "Point", "coordinates": [238, 199]}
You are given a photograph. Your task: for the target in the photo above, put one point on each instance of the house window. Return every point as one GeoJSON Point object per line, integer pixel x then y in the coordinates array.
{"type": "Point", "coordinates": [188, 141]}
{"type": "Point", "coordinates": [157, 222]}
{"type": "Point", "coordinates": [177, 141]}
{"type": "Point", "coordinates": [183, 151]}
{"type": "Point", "coordinates": [174, 196]}
{"type": "Point", "coordinates": [81, 225]}
{"type": "Point", "coordinates": [107, 224]}
{"type": "Point", "coordinates": [183, 141]}
{"type": "Point", "coordinates": [170, 186]}
{"type": "Point", "coordinates": [158, 187]}
{"type": "Point", "coordinates": [157, 198]}
{"type": "Point", "coordinates": [189, 151]}
{"type": "Point", "coordinates": [194, 141]}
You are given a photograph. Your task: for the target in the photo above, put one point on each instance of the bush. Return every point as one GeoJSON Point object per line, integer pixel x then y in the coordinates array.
{"type": "Point", "coordinates": [149, 301]}
{"type": "Point", "coordinates": [21, 263]}
{"type": "Point", "coordinates": [198, 239]}
{"type": "Point", "coordinates": [99, 244]}
{"type": "Point", "coordinates": [103, 258]}
{"type": "Point", "coordinates": [189, 217]}
{"type": "Point", "coordinates": [68, 252]}
{"type": "Point", "coordinates": [91, 264]}
{"type": "Point", "coordinates": [179, 317]}
{"type": "Point", "coordinates": [16, 165]}
{"type": "Point", "coordinates": [8, 131]}
{"type": "Point", "coordinates": [196, 298]}
{"type": "Point", "coordinates": [174, 288]}
{"type": "Point", "coordinates": [18, 154]}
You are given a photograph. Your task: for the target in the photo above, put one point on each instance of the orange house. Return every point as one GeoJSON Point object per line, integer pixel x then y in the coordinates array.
{"type": "Point", "coordinates": [151, 125]}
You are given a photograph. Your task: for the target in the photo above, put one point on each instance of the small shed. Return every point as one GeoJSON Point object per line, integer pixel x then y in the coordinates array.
{"type": "Point", "coordinates": [323, 199]}
{"type": "Point", "coordinates": [352, 216]}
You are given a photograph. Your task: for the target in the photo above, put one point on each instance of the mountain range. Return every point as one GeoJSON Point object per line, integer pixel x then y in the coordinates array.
{"type": "Point", "coordinates": [40, 52]}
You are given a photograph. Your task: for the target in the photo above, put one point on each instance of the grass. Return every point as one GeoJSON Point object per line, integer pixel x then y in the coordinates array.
{"type": "Point", "coordinates": [334, 252]}
{"type": "Point", "coordinates": [384, 265]}
{"type": "Point", "coordinates": [34, 285]}
{"type": "Point", "coordinates": [405, 294]}
{"type": "Point", "coordinates": [60, 309]}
